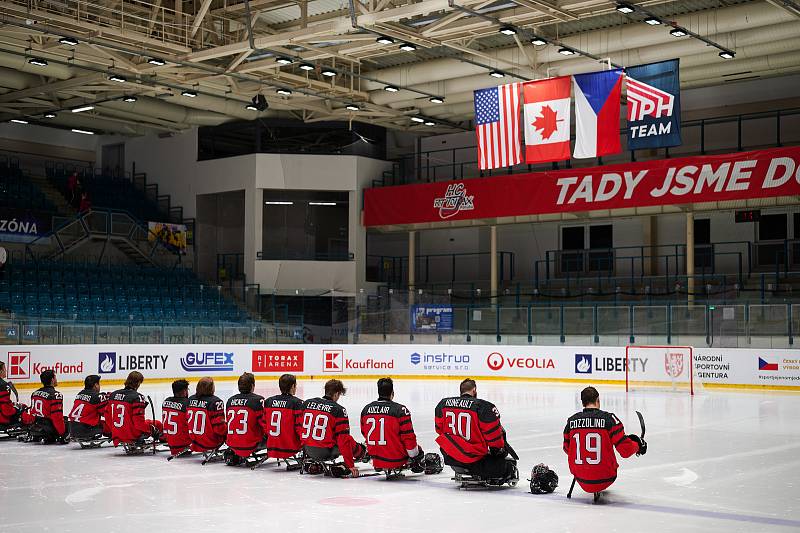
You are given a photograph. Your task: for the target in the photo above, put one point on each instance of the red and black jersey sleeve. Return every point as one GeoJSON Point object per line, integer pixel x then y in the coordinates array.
{"type": "Point", "coordinates": [389, 433]}
{"type": "Point", "coordinates": [245, 416]}
{"type": "Point", "coordinates": [283, 425]}
{"type": "Point", "coordinates": [175, 422]}
{"type": "Point", "coordinates": [56, 412]}
{"type": "Point", "coordinates": [7, 409]}
{"type": "Point", "coordinates": [467, 427]}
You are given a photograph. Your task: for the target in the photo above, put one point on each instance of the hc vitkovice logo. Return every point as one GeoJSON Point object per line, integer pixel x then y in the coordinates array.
{"type": "Point", "coordinates": [208, 361]}
{"type": "Point", "coordinates": [455, 200]}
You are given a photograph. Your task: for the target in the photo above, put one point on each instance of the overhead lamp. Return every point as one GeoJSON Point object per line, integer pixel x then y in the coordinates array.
{"type": "Point", "coordinates": [306, 66]}
{"type": "Point", "coordinates": [83, 108]}
{"type": "Point", "coordinates": [84, 132]}
{"type": "Point", "coordinates": [321, 203]}
{"type": "Point", "coordinates": [352, 107]}
{"type": "Point", "coordinates": [391, 89]}
{"type": "Point", "coordinates": [408, 47]}
{"type": "Point", "coordinates": [129, 98]}
{"type": "Point", "coordinates": [251, 107]}
{"type": "Point", "coordinates": [497, 74]}
{"type": "Point", "coordinates": [49, 115]}
{"type": "Point", "coordinates": [189, 94]}
{"type": "Point", "coordinates": [727, 54]}
{"type": "Point", "coordinates": [328, 72]}
{"type": "Point", "coordinates": [284, 92]}
{"type": "Point", "coordinates": [625, 8]}
{"type": "Point", "coordinates": [156, 61]}
{"type": "Point", "coordinates": [278, 202]}
{"type": "Point", "coordinates": [117, 78]}
{"type": "Point", "coordinates": [69, 41]}
{"type": "Point", "coordinates": [418, 119]}
{"type": "Point", "coordinates": [564, 51]}
{"type": "Point", "coordinates": [430, 123]}
{"type": "Point", "coordinates": [508, 30]}
{"type": "Point", "coordinates": [18, 121]}
{"type": "Point", "coordinates": [538, 41]}
{"type": "Point", "coordinates": [38, 61]}
{"type": "Point", "coordinates": [282, 60]}
{"type": "Point", "coordinates": [652, 21]}
{"type": "Point", "coordinates": [678, 32]}
{"type": "Point", "coordinates": [258, 103]}
{"type": "Point", "coordinates": [436, 99]}
{"type": "Point", "coordinates": [384, 40]}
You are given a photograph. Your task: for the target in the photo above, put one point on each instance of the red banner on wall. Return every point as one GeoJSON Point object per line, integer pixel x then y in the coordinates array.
{"type": "Point", "coordinates": [689, 180]}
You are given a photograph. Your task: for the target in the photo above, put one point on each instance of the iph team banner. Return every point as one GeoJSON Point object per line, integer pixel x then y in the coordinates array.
{"type": "Point", "coordinates": [654, 105]}
{"type": "Point", "coordinates": [739, 176]}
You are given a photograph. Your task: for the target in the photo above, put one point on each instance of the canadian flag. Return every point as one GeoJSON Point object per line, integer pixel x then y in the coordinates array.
{"type": "Point", "coordinates": [546, 116]}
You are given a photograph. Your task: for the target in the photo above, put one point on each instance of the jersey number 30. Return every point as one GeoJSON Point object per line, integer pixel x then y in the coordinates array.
{"type": "Point", "coordinates": [592, 446]}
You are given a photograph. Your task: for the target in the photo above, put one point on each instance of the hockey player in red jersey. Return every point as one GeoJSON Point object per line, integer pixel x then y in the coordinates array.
{"type": "Point", "coordinates": [175, 419]}
{"type": "Point", "coordinates": [47, 411]}
{"type": "Point", "coordinates": [471, 436]}
{"type": "Point", "coordinates": [590, 437]}
{"type": "Point", "coordinates": [245, 416]}
{"type": "Point", "coordinates": [125, 411]}
{"type": "Point", "coordinates": [390, 437]}
{"type": "Point", "coordinates": [88, 410]}
{"type": "Point", "coordinates": [326, 429]}
{"type": "Point", "coordinates": [206, 412]}
{"type": "Point", "coordinates": [10, 413]}
{"type": "Point", "coordinates": [283, 420]}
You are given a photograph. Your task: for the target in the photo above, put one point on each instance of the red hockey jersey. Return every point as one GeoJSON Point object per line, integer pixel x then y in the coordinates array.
{"type": "Point", "coordinates": [88, 411]}
{"type": "Point", "coordinates": [390, 435]}
{"type": "Point", "coordinates": [7, 408]}
{"type": "Point", "coordinates": [47, 404]}
{"type": "Point", "coordinates": [125, 413]}
{"type": "Point", "coordinates": [283, 424]}
{"type": "Point", "coordinates": [590, 437]}
{"type": "Point", "coordinates": [175, 420]}
{"type": "Point", "coordinates": [467, 427]}
{"type": "Point", "coordinates": [207, 427]}
{"type": "Point", "coordinates": [325, 425]}
{"type": "Point", "coordinates": [245, 414]}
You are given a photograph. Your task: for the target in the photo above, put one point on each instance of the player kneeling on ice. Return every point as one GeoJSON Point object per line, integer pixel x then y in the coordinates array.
{"type": "Point", "coordinates": [46, 416]}
{"type": "Point", "coordinates": [326, 435]}
{"type": "Point", "coordinates": [391, 441]}
{"type": "Point", "coordinates": [129, 426]}
{"type": "Point", "coordinates": [472, 440]}
{"type": "Point", "coordinates": [175, 419]}
{"type": "Point", "coordinates": [207, 428]}
{"type": "Point", "coordinates": [590, 437]}
{"type": "Point", "coordinates": [86, 419]}
{"type": "Point", "coordinates": [245, 413]}
{"type": "Point", "coordinates": [11, 424]}
{"type": "Point", "coordinates": [283, 421]}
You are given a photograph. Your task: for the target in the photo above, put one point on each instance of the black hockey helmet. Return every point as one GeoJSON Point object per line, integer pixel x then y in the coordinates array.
{"type": "Point", "coordinates": [543, 480]}
{"type": "Point", "coordinates": [432, 463]}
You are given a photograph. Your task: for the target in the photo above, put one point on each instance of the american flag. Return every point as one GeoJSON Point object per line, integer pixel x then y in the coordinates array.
{"type": "Point", "coordinates": [497, 126]}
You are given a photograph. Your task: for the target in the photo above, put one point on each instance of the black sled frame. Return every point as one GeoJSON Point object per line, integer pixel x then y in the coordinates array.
{"type": "Point", "coordinates": [469, 481]}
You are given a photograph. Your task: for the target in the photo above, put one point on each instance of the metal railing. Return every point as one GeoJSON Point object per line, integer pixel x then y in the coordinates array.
{"type": "Point", "coordinates": [433, 268]}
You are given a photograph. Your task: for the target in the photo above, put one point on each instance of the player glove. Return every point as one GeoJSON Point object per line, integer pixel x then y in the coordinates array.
{"type": "Point", "coordinates": [498, 452]}
{"type": "Point", "coordinates": [642, 444]}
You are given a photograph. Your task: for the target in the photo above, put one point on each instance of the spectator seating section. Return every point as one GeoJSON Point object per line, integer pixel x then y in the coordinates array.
{"type": "Point", "coordinates": [143, 295]}
{"type": "Point", "coordinates": [17, 191]}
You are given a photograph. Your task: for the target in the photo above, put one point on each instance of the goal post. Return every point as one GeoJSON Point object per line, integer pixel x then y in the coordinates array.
{"type": "Point", "coordinates": [660, 368]}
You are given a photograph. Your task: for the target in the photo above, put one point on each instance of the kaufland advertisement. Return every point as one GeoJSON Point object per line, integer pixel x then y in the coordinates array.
{"type": "Point", "coordinates": [724, 366]}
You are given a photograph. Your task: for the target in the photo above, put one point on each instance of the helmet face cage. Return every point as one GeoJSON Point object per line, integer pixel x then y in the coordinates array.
{"type": "Point", "coordinates": [433, 463]}
{"type": "Point", "coordinates": [543, 480]}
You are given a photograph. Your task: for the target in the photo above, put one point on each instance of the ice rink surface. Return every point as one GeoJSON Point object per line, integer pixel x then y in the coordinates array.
{"type": "Point", "coordinates": [721, 461]}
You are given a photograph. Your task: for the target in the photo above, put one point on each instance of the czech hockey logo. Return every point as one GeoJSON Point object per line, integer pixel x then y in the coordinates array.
{"type": "Point", "coordinates": [332, 361]}
{"type": "Point", "coordinates": [19, 365]}
{"type": "Point", "coordinates": [673, 364]}
{"type": "Point", "coordinates": [455, 200]}
{"type": "Point", "coordinates": [107, 362]}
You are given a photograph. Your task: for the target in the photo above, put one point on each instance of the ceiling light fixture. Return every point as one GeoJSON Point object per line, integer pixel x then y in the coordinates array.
{"type": "Point", "coordinates": [625, 8]}
{"type": "Point", "coordinates": [430, 123]}
{"type": "Point", "coordinates": [418, 119]}
{"type": "Point", "coordinates": [83, 108]}
{"type": "Point", "coordinates": [391, 89]}
{"type": "Point", "coordinates": [408, 47]}
{"type": "Point", "coordinates": [38, 61]}
{"type": "Point", "coordinates": [251, 107]}
{"type": "Point", "coordinates": [117, 78]}
{"type": "Point", "coordinates": [69, 41]}
{"type": "Point", "coordinates": [156, 61]}
{"type": "Point", "coordinates": [277, 202]}
{"type": "Point", "coordinates": [352, 107]}
{"type": "Point", "coordinates": [727, 54]}
{"type": "Point", "coordinates": [538, 41]}
{"type": "Point", "coordinates": [85, 132]}
{"type": "Point", "coordinates": [189, 94]}
{"type": "Point", "coordinates": [564, 51]}
{"type": "Point", "coordinates": [678, 32]}
{"type": "Point", "coordinates": [129, 98]}
{"type": "Point", "coordinates": [49, 115]}
{"type": "Point", "coordinates": [19, 121]}
{"type": "Point", "coordinates": [652, 21]}
{"type": "Point", "coordinates": [306, 66]}
{"type": "Point", "coordinates": [497, 74]}
{"type": "Point", "coordinates": [328, 72]}
{"type": "Point", "coordinates": [384, 40]}
{"type": "Point", "coordinates": [436, 99]}
{"type": "Point", "coordinates": [321, 203]}
{"type": "Point", "coordinates": [284, 92]}
{"type": "Point", "coordinates": [508, 30]}
{"type": "Point", "coordinates": [283, 60]}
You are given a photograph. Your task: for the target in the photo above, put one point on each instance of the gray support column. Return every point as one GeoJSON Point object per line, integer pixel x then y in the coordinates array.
{"type": "Point", "coordinates": [412, 262]}
{"type": "Point", "coordinates": [690, 257]}
{"type": "Point", "coordinates": [493, 262]}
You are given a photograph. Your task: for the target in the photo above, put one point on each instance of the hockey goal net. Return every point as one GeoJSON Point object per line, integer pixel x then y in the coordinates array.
{"type": "Point", "coordinates": [661, 368]}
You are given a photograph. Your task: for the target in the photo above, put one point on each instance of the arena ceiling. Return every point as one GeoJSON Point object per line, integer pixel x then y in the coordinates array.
{"type": "Point", "coordinates": [167, 65]}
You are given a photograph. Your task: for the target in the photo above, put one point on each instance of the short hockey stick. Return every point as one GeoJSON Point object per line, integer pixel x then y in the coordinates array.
{"type": "Point", "coordinates": [153, 412]}
{"type": "Point", "coordinates": [641, 423]}
{"type": "Point", "coordinates": [571, 488]}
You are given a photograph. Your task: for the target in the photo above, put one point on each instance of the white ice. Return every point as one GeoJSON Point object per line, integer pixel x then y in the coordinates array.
{"type": "Point", "coordinates": [721, 461]}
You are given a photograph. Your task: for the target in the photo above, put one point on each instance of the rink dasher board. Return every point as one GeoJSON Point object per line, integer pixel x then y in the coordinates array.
{"type": "Point", "coordinates": [725, 367]}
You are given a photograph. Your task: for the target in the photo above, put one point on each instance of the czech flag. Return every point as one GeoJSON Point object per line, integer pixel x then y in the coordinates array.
{"type": "Point", "coordinates": [763, 365]}
{"type": "Point", "coordinates": [597, 105]}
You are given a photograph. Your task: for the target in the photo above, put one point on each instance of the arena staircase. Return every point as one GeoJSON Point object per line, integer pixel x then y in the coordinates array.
{"type": "Point", "coordinates": [53, 195]}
